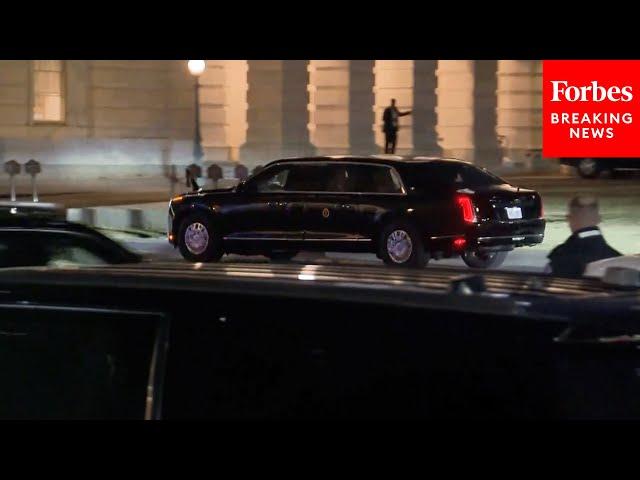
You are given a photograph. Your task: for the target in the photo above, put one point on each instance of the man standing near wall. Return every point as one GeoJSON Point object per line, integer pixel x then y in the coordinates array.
{"type": "Point", "coordinates": [390, 126]}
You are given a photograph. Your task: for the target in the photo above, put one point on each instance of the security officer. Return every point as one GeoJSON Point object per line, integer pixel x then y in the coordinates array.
{"type": "Point", "coordinates": [586, 243]}
{"type": "Point", "coordinates": [390, 126]}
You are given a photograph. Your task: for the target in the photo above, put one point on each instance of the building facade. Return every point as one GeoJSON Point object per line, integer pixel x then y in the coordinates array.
{"type": "Point", "coordinates": [103, 118]}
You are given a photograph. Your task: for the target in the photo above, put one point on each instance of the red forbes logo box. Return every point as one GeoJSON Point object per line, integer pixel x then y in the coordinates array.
{"type": "Point", "coordinates": [591, 108]}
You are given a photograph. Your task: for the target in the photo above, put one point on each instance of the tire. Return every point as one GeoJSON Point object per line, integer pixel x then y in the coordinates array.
{"type": "Point", "coordinates": [484, 260]}
{"type": "Point", "coordinates": [281, 255]}
{"type": "Point", "coordinates": [198, 240]}
{"type": "Point", "coordinates": [400, 245]}
{"type": "Point", "coordinates": [589, 167]}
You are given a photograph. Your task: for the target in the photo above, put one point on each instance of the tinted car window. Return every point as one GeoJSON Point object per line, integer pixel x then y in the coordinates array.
{"type": "Point", "coordinates": [449, 174]}
{"type": "Point", "coordinates": [69, 254]}
{"type": "Point", "coordinates": [73, 364]}
{"type": "Point", "coordinates": [294, 178]}
{"type": "Point", "coordinates": [308, 178]}
{"type": "Point", "coordinates": [372, 179]}
{"type": "Point", "coordinates": [37, 248]}
{"type": "Point", "coordinates": [272, 181]}
{"type": "Point", "coordinates": [21, 249]}
{"type": "Point", "coordinates": [338, 178]}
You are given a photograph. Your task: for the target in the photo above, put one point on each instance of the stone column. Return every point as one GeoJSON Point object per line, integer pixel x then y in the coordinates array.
{"type": "Point", "coordinates": [329, 106]}
{"type": "Point", "coordinates": [425, 137]}
{"type": "Point", "coordinates": [277, 111]}
{"type": "Point", "coordinates": [519, 112]}
{"type": "Point", "coordinates": [361, 102]}
{"type": "Point", "coordinates": [235, 106]}
{"type": "Point", "coordinates": [223, 106]}
{"type": "Point", "coordinates": [394, 79]}
{"type": "Point", "coordinates": [485, 140]}
{"type": "Point", "coordinates": [340, 105]}
{"type": "Point", "coordinates": [466, 102]}
{"type": "Point", "coordinates": [455, 108]}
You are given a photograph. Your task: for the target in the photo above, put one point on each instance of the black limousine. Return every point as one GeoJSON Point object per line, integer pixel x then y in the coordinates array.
{"type": "Point", "coordinates": [405, 209]}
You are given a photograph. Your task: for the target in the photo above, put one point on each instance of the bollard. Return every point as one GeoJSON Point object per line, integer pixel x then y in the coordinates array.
{"type": "Point", "coordinates": [241, 172]}
{"type": "Point", "coordinates": [173, 179]}
{"type": "Point", "coordinates": [33, 168]}
{"type": "Point", "coordinates": [12, 168]}
{"type": "Point", "coordinates": [192, 172]}
{"type": "Point", "coordinates": [214, 172]}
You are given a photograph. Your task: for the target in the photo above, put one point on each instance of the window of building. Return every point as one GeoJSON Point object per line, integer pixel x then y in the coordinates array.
{"type": "Point", "coordinates": [48, 91]}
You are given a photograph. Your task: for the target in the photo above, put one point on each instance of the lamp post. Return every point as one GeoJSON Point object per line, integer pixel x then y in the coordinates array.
{"type": "Point", "coordinates": [196, 68]}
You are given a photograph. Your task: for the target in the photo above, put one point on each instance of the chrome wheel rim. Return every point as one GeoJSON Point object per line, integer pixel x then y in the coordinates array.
{"type": "Point", "coordinates": [399, 246]}
{"type": "Point", "coordinates": [588, 166]}
{"type": "Point", "coordinates": [196, 238]}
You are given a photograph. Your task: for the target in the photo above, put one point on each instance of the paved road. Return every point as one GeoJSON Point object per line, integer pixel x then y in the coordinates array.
{"type": "Point", "coordinates": [522, 259]}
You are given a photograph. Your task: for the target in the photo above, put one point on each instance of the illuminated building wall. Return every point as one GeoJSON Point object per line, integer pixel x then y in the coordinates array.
{"type": "Point", "coordinates": [137, 117]}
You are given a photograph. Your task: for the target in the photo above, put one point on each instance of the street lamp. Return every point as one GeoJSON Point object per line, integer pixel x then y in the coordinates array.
{"type": "Point", "coordinates": [196, 68]}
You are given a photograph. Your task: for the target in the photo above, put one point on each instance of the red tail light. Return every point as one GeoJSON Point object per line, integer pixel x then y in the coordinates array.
{"type": "Point", "coordinates": [459, 243]}
{"type": "Point", "coordinates": [468, 209]}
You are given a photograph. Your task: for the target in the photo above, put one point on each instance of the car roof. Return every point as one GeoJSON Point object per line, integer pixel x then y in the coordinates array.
{"type": "Point", "coordinates": [17, 213]}
{"type": "Point", "coordinates": [26, 215]}
{"type": "Point", "coordinates": [329, 278]}
{"type": "Point", "coordinates": [379, 159]}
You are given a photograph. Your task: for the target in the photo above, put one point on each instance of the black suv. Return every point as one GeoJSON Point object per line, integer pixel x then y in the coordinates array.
{"type": "Point", "coordinates": [404, 209]}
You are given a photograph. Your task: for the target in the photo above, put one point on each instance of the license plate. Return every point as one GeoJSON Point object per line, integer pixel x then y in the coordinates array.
{"type": "Point", "coordinates": [514, 212]}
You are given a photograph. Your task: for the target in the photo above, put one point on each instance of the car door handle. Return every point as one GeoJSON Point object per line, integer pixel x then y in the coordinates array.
{"type": "Point", "coordinates": [277, 204]}
{"type": "Point", "coordinates": [346, 206]}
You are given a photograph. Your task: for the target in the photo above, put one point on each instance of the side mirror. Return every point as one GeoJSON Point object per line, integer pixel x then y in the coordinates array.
{"type": "Point", "coordinates": [244, 187]}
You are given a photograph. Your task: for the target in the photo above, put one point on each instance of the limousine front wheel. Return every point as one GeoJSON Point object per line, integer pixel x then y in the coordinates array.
{"type": "Point", "coordinates": [199, 241]}
{"type": "Point", "coordinates": [401, 246]}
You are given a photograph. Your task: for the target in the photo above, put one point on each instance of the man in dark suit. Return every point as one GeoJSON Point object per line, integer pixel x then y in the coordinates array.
{"type": "Point", "coordinates": [586, 243]}
{"type": "Point", "coordinates": [390, 126]}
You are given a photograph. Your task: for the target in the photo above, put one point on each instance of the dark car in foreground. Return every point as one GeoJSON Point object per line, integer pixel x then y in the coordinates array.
{"type": "Point", "coordinates": [34, 234]}
{"type": "Point", "coordinates": [286, 341]}
{"type": "Point", "coordinates": [405, 209]}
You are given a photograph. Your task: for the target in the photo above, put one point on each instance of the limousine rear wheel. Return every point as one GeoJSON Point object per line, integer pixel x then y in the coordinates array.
{"type": "Point", "coordinates": [484, 259]}
{"type": "Point", "coordinates": [401, 246]}
{"type": "Point", "coordinates": [199, 241]}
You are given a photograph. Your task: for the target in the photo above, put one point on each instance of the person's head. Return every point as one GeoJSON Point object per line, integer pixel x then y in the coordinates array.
{"type": "Point", "coordinates": [393, 102]}
{"type": "Point", "coordinates": [583, 212]}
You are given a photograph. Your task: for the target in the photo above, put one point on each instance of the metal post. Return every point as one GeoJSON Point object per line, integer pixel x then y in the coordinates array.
{"type": "Point", "coordinates": [33, 188]}
{"type": "Point", "coordinates": [12, 168]}
{"type": "Point", "coordinates": [173, 179]}
{"type": "Point", "coordinates": [33, 168]}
